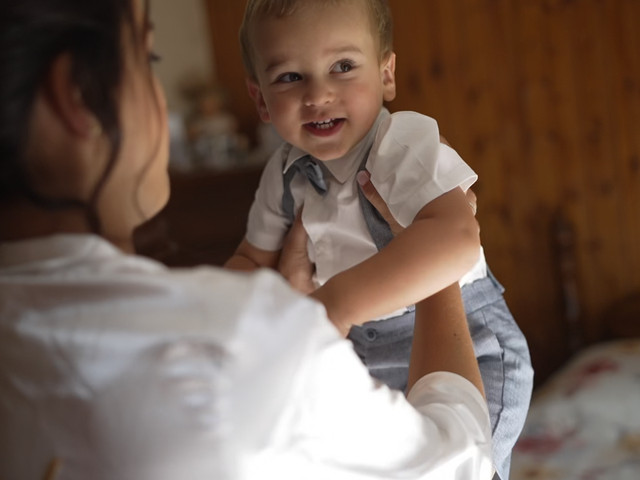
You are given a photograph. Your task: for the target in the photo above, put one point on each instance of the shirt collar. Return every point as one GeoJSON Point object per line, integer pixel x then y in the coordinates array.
{"type": "Point", "coordinates": [344, 167]}
{"type": "Point", "coordinates": [52, 251]}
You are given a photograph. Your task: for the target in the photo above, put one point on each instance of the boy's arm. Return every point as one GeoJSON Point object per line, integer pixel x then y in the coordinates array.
{"type": "Point", "coordinates": [435, 251]}
{"type": "Point", "coordinates": [247, 258]}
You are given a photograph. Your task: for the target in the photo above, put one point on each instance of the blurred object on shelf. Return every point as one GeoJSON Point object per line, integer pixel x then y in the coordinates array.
{"type": "Point", "coordinates": [180, 155]}
{"type": "Point", "coordinates": [267, 140]}
{"type": "Point", "coordinates": [212, 130]}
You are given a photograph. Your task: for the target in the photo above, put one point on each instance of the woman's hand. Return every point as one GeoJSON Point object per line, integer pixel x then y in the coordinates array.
{"type": "Point", "coordinates": [294, 264]}
{"type": "Point", "coordinates": [370, 192]}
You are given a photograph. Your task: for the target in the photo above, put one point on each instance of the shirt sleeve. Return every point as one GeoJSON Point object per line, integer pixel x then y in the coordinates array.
{"type": "Point", "coordinates": [410, 167]}
{"type": "Point", "coordinates": [442, 431]}
{"type": "Point", "coordinates": [266, 223]}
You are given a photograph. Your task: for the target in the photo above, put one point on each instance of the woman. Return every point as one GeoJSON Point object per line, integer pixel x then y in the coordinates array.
{"type": "Point", "coordinates": [115, 367]}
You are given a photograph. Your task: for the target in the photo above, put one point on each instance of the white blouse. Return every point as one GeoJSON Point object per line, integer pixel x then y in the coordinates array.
{"type": "Point", "coordinates": [120, 368]}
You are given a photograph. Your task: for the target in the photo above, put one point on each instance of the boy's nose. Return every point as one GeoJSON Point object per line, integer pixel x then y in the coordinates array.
{"type": "Point", "coordinates": [318, 93]}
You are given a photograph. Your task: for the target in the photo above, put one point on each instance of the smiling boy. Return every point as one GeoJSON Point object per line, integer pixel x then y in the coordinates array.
{"type": "Point", "coordinates": [320, 77]}
{"type": "Point", "coordinates": [319, 71]}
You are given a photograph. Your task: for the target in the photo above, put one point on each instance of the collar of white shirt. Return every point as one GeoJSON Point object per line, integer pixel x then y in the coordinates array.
{"type": "Point", "coordinates": [342, 168]}
{"type": "Point", "coordinates": [52, 250]}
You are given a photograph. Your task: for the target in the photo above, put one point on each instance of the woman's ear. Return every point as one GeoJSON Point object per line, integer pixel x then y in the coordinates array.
{"type": "Point", "coordinates": [256, 94]}
{"type": "Point", "coordinates": [389, 77]}
{"type": "Point", "coordinates": [65, 99]}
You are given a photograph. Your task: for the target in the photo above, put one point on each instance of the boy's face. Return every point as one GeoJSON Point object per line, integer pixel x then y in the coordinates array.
{"type": "Point", "coordinates": [319, 78]}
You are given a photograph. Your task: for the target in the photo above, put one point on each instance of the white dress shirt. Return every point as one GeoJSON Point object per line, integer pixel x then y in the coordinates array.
{"type": "Point", "coordinates": [123, 369]}
{"type": "Point", "coordinates": [409, 167]}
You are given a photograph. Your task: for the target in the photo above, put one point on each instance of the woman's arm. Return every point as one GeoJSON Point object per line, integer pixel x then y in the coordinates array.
{"type": "Point", "coordinates": [441, 339]}
{"type": "Point", "coordinates": [440, 430]}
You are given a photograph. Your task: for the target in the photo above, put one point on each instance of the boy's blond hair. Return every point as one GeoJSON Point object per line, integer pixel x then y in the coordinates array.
{"type": "Point", "coordinates": [256, 10]}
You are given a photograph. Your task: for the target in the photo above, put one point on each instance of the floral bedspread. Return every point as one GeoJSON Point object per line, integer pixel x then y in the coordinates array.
{"type": "Point", "coordinates": [584, 424]}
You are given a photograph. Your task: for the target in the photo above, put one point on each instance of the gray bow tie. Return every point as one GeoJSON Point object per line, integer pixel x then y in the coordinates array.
{"type": "Point", "coordinates": [310, 169]}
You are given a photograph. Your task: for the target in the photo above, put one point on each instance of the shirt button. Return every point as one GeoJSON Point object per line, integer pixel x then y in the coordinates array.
{"type": "Point", "coordinates": [371, 334]}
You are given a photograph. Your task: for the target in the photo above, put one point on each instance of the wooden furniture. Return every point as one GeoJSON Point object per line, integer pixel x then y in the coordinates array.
{"type": "Point", "coordinates": [205, 218]}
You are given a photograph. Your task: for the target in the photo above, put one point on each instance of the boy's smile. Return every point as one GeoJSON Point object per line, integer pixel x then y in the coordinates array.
{"type": "Point", "coordinates": [319, 76]}
{"type": "Point", "coordinates": [326, 127]}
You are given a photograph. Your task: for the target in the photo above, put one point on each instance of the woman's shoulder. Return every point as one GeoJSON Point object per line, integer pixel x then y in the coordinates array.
{"type": "Point", "coordinates": [86, 279]}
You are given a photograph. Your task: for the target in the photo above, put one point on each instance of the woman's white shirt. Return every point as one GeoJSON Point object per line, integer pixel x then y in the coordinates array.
{"type": "Point", "coordinates": [124, 369]}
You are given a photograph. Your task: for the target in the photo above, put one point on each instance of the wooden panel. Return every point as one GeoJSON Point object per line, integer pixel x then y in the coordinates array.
{"type": "Point", "coordinates": [542, 98]}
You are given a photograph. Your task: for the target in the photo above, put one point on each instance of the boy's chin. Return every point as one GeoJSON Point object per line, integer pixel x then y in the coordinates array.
{"type": "Point", "coordinates": [325, 155]}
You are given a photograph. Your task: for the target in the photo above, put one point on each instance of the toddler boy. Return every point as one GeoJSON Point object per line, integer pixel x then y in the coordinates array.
{"type": "Point", "coordinates": [319, 71]}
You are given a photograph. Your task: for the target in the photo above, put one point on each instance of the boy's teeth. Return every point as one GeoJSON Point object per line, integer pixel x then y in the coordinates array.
{"type": "Point", "coordinates": [324, 124]}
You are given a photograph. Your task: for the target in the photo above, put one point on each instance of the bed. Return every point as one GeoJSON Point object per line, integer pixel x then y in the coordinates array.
{"type": "Point", "coordinates": [584, 421]}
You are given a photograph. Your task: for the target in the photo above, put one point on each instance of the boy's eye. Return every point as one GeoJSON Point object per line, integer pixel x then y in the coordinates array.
{"type": "Point", "coordinates": [289, 77]}
{"type": "Point", "coordinates": [343, 67]}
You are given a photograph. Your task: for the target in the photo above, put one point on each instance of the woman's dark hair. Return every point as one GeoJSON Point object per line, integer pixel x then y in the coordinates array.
{"type": "Point", "coordinates": [33, 33]}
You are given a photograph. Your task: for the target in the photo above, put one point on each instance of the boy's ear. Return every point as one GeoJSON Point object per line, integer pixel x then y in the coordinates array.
{"type": "Point", "coordinates": [65, 99]}
{"type": "Point", "coordinates": [389, 77]}
{"type": "Point", "coordinates": [256, 94]}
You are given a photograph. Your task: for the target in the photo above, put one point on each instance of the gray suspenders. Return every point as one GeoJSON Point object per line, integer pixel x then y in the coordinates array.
{"type": "Point", "coordinates": [378, 228]}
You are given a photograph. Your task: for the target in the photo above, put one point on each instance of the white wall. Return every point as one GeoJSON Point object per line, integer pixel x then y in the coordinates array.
{"type": "Point", "coordinates": [182, 40]}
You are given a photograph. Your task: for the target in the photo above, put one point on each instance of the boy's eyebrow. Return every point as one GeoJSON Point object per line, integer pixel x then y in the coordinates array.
{"type": "Point", "coordinates": [274, 64]}
{"type": "Point", "coordinates": [279, 60]}
{"type": "Point", "coordinates": [346, 49]}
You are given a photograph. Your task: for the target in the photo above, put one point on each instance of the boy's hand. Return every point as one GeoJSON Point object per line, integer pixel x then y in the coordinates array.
{"type": "Point", "coordinates": [294, 264]}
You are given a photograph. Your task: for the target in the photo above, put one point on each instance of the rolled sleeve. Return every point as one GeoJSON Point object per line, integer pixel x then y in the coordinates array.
{"type": "Point", "coordinates": [460, 396]}
{"type": "Point", "coordinates": [457, 409]}
{"type": "Point", "coordinates": [410, 167]}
